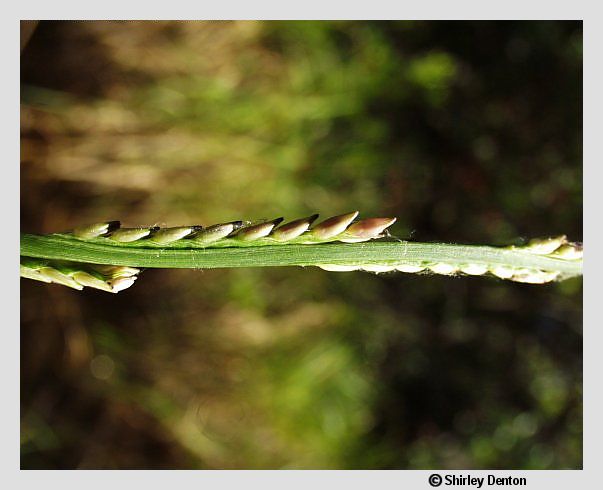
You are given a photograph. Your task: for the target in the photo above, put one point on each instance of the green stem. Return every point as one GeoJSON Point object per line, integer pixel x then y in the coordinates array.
{"type": "Point", "coordinates": [376, 253]}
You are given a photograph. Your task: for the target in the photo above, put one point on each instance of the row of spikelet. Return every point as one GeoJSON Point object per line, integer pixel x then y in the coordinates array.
{"type": "Point", "coordinates": [556, 247]}
{"type": "Point", "coordinates": [238, 233]}
{"type": "Point", "coordinates": [110, 278]}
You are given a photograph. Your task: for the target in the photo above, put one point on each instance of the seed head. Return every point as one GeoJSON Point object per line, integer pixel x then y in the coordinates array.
{"type": "Point", "coordinates": [60, 278]}
{"type": "Point", "coordinates": [443, 268]}
{"type": "Point", "coordinates": [502, 272]}
{"type": "Point", "coordinates": [570, 251]}
{"type": "Point", "coordinates": [545, 246]}
{"type": "Point", "coordinates": [121, 283]}
{"type": "Point", "coordinates": [534, 276]}
{"type": "Point", "coordinates": [89, 280]}
{"type": "Point", "coordinates": [169, 235]}
{"type": "Point", "coordinates": [95, 230]}
{"type": "Point", "coordinates": [474, 269]}
{"type": "Point", "coordinates": [333, 226]}
{"type": "Point", "coordinates": [367, 229]}
{"type": "Point", "coordinates": [31, 273]}
{"type": "Point", "coordinates": [292, 230]}
{"type": "Point", "coordinates": [115, 271]}
{"type": "Point", "coordinates": [411, 269]}
{"type": "Point", "coordinates": [377, 268]}
{"type": "Point", "coordinates": [125, 235]}
{"type": "Point", "coordinates": [338, 268]}
{"type": "Point", "coordinates": [254, 232]}
{"type": "Point", "coordinates": [215, 232]}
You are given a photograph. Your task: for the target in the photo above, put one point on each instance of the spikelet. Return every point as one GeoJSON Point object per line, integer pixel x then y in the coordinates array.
{"type": "Point", "coordinates": [127, 235]}
{"type": "Point", "coordinates": [165, 236]}
{"type": "Point", "coordinates": [334, 226]}
{"type": "Point", "coordinates": [293, 229]}
{"type": "Point", "coordinates": [215, 233]}
{"type": "Point", "coordinates": [261, 230]}
{"type": "Point", "coordinates": [86, 279]}
{"type": "Point", "coordinates": [367, 229]}
{"type": "Point", "coordinates": [57, 276]}
{"type": "Point", "coordinates": [121, 283]}
{"type": "Point", "coordinates": [544, 246]}
{"type": "Point", "coordinates": [474, 269]}
{"type": "Point", "coordinates": [96, 229]}
{"type": "Point", "coordinates": [557, 246]}
{"type": "Point", "coordinates": [569, 251]}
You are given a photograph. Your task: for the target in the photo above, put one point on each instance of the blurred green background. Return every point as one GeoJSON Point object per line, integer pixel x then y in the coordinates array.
{"type": "Point", "coordinates": [466, 131]}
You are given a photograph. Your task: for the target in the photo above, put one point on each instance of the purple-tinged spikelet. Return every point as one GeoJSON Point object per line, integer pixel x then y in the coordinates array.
{"type": "Point", "coordinates": [333, 226]}
{"type": "Point", "coordinates": [293, 229]}
{"type": "Point", "coordinates": [367, 229]}
{"type": "Point", "coordinates": [254, 232]}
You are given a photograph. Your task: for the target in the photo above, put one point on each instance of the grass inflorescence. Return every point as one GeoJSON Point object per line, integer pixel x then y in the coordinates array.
{"type": "Point", "coordinates": [333, 244]}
